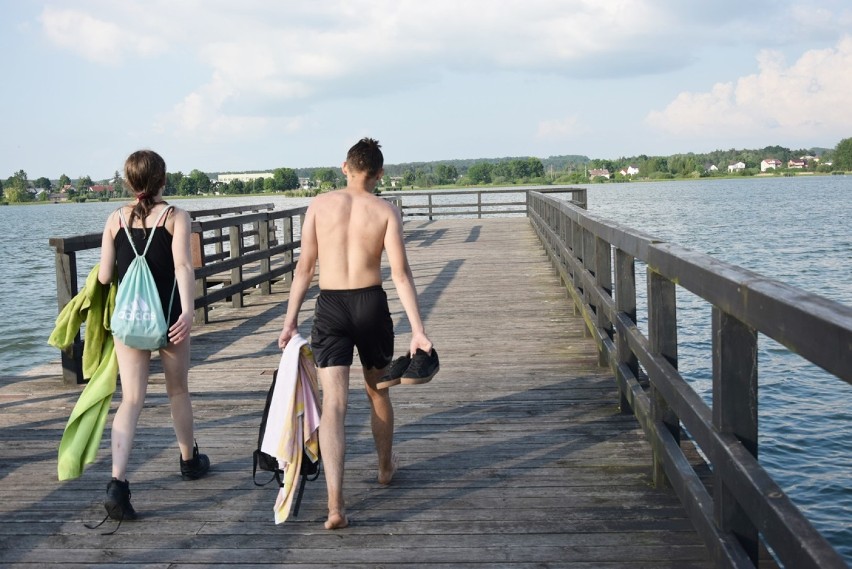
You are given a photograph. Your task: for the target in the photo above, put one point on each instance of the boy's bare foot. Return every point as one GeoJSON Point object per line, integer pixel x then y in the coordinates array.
{"type": "Point", "coordinates": [386, 477]}
{"type": "Point", "coordinates": [336, 520]}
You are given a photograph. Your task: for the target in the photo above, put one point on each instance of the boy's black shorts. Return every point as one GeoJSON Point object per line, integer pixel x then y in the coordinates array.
{"type": "Point", "coordinates": [345, 319]}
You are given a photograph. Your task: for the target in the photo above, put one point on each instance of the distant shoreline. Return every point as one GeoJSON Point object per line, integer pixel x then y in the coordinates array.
{"type": "Point", "coordinates": [454, 187]}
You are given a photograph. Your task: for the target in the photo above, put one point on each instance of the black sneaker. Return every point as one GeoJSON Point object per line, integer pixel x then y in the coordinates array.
{"type": "Point", "coordinates": [393, 376]}
{"type": "Point", "coordinates": [422, 369]}
{"type": "Point", "coordinates": [196, 467]}
{"type": "Point", "coordinates": [117, 502]}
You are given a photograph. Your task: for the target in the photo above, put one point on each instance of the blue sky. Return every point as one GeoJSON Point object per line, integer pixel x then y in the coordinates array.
{"type": "Point", "coordinates": [220, 85]}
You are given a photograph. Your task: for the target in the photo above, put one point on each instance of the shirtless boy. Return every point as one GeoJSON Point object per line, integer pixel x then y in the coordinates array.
{"type": "Point", "coordinates": [346, 231]}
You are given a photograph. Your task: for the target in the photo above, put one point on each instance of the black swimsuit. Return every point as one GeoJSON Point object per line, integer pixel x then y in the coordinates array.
{"type": "Point", "coordinates": [160, 260]}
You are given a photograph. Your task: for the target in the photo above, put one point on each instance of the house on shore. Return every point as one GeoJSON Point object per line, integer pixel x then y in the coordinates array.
{"type": "Point", "coordinates": [770, 164]}
{"type": "Point", "coordinates": [736, 167]}
{"type": "Point", "coordinates": [599, 173]}
{"type": "Point", "coordinates": [629, 171]}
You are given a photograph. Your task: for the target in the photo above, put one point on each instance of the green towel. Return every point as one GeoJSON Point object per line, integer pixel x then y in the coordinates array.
{"type": "Point", "coordinates": [92, 305]}
{"type": "Point", "coordinates": [82, 435]}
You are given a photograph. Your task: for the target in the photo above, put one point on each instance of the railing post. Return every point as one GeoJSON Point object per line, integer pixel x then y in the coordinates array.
{"type": "Point", "coordinates": [66, 289]}
{"type": "Point", "coordinates": [265, 263]}
{"type": "Point", "coordinates": [219, 247]}
{"type": "Point", "coordinates": [551, 218]}
{"type": "Point", "coordinates": [430, 206]}
{"type": "Point", "coordinates": [625, 303]}
{"type": "Point", "coordinates": [197, 250]}
{"type": "Point", "coordinates": [734, 412]}
{"type": "Point", "coordinates": [577, 250]}
{"type": "Point", "coordinates": [289, 237]}
{"type": "Point", "coordinates": [479, 204]}
{"type": "Point", "coordinates": [587, 244]}
{"type": "Point", "coordinates": [662, 340]}
{"type": "Point", "coordinates": [603, 280]}
{"type": "Point", "coordinates": [235, 234]}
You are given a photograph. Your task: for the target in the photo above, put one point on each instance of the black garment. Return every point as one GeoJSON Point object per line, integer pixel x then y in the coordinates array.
{"type": "Point", "coordinates": [160, 261]}
{"type": "Point", "coordinates": [345, 319]}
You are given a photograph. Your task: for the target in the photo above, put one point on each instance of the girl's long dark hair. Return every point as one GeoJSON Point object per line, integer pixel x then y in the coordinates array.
{"type": "Point", "coordinates": [144, 175]}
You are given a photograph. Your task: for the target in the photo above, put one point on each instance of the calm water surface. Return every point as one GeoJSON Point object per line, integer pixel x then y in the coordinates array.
{"type": "Point", "coordinates": [796, 230]}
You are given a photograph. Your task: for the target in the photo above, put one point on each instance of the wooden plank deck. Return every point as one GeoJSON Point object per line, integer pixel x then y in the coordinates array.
{"type": "Point", "coordinates": [515, 455]}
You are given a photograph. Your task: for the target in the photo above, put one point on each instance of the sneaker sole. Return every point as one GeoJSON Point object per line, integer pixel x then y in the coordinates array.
{"type": "Point", "coordinates": [418, 380]}
{"type": "Point", "coordinates": [384, 384]}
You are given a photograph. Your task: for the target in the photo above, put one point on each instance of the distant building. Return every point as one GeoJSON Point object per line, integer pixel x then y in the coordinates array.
{"type": "Point", "coordinates": [602, 173]}
{"type": "Point", "coordinates": [736, 167]}
{"type": "Point", "coordinates": [629, 171]}
{"type": "Point", "coordinates": [770, 164]}
{"type": "Point", "coordinates": [243, 177]}
{"type": "Point", "coordinates": [797, 163]}
{"type": "Point", "coordinates": [711, 168]}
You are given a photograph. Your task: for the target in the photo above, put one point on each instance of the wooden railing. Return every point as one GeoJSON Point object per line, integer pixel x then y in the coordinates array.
{"type": "Point", "coordinates": [474, 202]}
{"type": "Point", "coordinates": [234, 250]}
{"type": "Point", "coordinates": [596, 260]}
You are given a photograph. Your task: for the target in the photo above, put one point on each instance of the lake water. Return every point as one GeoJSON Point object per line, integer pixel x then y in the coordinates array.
{"type": "Point", "coordinates": [797, 230]}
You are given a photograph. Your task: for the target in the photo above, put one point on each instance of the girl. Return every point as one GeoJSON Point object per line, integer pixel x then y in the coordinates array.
{"type": "Point", "coordinates": [170, 261]}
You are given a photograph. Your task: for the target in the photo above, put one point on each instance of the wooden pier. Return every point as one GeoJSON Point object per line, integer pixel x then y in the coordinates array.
{"type": "Point", "coordinates": [516, 455]}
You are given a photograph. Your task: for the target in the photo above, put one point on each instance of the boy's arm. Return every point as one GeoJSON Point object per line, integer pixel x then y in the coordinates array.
{"type": "Point", "coordinates": [403, 280]}
{"type": "Point", "coordinates": [302, 277]}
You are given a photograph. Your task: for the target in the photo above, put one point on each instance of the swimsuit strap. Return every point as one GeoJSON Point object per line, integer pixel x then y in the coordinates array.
{"type": "Point", "coordinates": [153, 229]}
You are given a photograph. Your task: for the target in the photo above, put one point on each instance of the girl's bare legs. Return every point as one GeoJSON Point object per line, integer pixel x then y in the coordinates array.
{"type": "Point", "coordinates": [134, 368]}
{"type": "Point", "coordinates": [175, 359]}
{"type": "Point", "coordinates": [335, 396]}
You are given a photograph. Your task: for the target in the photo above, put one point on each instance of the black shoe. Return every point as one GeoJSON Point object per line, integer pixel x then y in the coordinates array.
{"type": "Point", "coordinates": [393, 376]}
{"type": "Point", "coordinates": [196, 467]}
{"type": "Point", "coordinates": [117, 502]}
{"type": "Point", "coordinates": [422, 369]}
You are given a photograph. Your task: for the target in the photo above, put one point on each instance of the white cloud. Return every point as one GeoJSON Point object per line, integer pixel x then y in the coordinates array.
{"type": "Point", "coordinates": [94, 39]}
{"type": "Point", "coordinates": [806, 99]}
{"type": "Point", "coordinates": [559, 129]}
{"type": "Point", "coordinates": [267, 62]}
{"type": "Point", "coordinates": [200, 112]}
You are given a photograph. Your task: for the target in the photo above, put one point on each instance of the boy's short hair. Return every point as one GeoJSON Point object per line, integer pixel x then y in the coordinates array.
{"type": "Point", "coordinates": [366, 156]}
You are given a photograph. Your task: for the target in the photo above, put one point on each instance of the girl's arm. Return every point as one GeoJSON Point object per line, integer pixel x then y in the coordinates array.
{"type": "Point", "coordinates": [185, 275]}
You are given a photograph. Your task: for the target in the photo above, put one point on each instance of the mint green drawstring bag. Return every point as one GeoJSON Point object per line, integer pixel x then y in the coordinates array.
{"type": "Point", "coordinates": [138, 320]}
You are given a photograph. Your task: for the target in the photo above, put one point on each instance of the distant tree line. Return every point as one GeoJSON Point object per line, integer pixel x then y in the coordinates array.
{"type": "Point", "coordinates": [494, 171]}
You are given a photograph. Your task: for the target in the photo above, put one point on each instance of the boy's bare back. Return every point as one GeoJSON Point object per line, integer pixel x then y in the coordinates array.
{"type": "Point", "coordinates": [350, 226]}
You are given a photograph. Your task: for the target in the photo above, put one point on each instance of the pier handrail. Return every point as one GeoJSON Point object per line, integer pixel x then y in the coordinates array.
{"type": "Point", "coordinates": [473, 202]}
{"type": "Point", "coordinates": [596, 260]}
{"type": "Point", "coordinates": [234, 250]}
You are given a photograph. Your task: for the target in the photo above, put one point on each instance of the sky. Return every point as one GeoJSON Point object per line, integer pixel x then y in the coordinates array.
{"type": "Point", "coordinates": [226, 86]}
